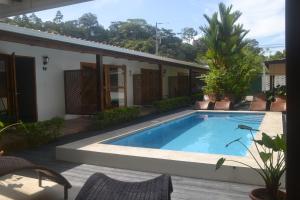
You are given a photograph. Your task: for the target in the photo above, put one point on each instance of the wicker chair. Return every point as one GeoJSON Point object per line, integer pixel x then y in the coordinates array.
{"type": "Point", "coordinates": [102, 187]}
{"type": "Point", "coordinates": [10, 164]}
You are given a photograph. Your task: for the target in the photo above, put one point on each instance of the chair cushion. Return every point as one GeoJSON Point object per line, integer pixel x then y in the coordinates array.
{"type": "Point", "coordinates": [102, 187]}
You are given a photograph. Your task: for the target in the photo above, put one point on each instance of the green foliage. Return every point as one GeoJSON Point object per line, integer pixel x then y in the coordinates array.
{"type": "Point", "coordinates": [189, 34]}
{"type": "Point", "coordinates": [39, 133]}
{"type": "Point", "coordinates": [279, 90]}
{"type": "Point", "coordinates": [172, 103]}
{"type": "Point", "coordinates": [234, 61]}
{"type": "Point", "coordinates": [134, 34]}
{"type": "Point", "coordinates": [271, 159]}
{"type": "Point", "coordinates": [278, 55]}
{"type": "Point", "coordinates": [117, 116]}
{"type": "Point", "coordinates": [197, 97]}
{"type": "Point", "coordinates": [4, 127]}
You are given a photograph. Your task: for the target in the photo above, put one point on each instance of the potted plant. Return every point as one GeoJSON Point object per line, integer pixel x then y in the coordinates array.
{"type": "Point", "coordinates": [280, 93]}
{"type": "Point", "coordinates": [271, 164]}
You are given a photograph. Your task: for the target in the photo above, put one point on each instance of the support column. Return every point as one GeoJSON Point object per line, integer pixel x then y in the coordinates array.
{"type": "Point", "coordinates": [160, 81]}
{"type": "Point", "coordinates": [100, 87]}
{"type": "Point", "coordinates": [190, 82]}
{"type": "Point", "coordinates": [293, 106]}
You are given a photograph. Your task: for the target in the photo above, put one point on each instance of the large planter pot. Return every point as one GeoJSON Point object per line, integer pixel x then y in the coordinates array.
{"type": "Point", "coordinates": [261, 194]}
{"type": "Point", "coordinates": [210, 97]}
{"type": "Point", "coordinates": [280, 98]}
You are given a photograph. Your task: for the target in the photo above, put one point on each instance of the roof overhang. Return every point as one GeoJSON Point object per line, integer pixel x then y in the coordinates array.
{"type": "Point", "coordinates": [276, 67]}
{"type": "Point", "coordinates": [27, 36]}
{"type": "Point", "coordinates": [10, 8]}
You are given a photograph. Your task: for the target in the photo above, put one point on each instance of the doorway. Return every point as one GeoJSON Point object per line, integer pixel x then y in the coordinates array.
{"type": "Point", "coordinates": [26, 88]}
{"type": "Point", "coordinates": [17, 88]}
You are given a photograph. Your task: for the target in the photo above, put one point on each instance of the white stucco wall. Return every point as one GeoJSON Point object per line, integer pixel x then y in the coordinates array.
{"type": "Point", "coordinates": [50, 83]}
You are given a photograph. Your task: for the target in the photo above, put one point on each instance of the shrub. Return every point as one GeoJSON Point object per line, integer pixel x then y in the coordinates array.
{"type": "Point", "coordinates": [39, 133]}
{"type": "Point", "coordinates": [117, 115]}
{"type": "Point", "coordinates": [197, 97]}
{"type": "Point", "coordinates": [172, 103]}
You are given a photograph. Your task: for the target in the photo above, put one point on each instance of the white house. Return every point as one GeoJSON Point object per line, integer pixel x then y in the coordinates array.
{"type": "Point", "coordinates": [43, 75]}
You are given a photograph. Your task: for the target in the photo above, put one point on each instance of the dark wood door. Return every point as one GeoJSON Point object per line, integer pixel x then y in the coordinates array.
{"type": "Point", "coordinates": [150, 86]}
{"type": "Point", "coordinates": [8, 97]}
{"type": "Point", "coordinates": [80, 91]}
{"type": "Point", "coordinates": [137, 89]}
{"type": "Point", "coordinates": [26, 88]}
{"type": "Point", "coordinates": [4, 86]}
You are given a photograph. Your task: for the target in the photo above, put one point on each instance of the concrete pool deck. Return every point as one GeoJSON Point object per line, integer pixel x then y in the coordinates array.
{"type": "Point", "coordinates": [197, 165]}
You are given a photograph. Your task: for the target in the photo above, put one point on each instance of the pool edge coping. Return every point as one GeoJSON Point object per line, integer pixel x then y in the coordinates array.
{"type": "Point", "coordinates": [106, 151]}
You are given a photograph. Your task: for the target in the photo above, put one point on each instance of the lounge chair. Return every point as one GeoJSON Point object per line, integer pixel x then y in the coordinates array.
{"type": "Point", "coordinates": [10, 164]}
{"type": "Point", "coordinates": [258, 105]}
{"type": "Point", "coordinates": [202, 105]}
{"type": "Point", "coordinates": [100, 186]}
{"type": "Point", "coordinates": [222, 105]}
{"type": "Point", "coordinates": [278, 106]}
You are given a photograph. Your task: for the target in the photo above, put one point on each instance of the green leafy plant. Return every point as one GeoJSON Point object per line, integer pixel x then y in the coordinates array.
{"type": "Point", "coordinates": [172, 103]}
{"type": "Point", "coordinates": [39, 133]}
{"type": "Point", "coordinates": [3, 128]}
{"type": "Point", "coordinates": [197, 97]}
{"type": "Point", "coordinates": [233, 60]}
{"type": "Point", "coordinates": [270, 162]}
{"type": "Point", "coordinates": [116, 116]}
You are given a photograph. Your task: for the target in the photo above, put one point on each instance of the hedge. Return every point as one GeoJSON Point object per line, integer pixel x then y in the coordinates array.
{"type": "Point", "coordinates": [172, 103]}
{"type": "Point", "coordinates": [39, 133]}
{"type": "Point", "coordinates": [116, 116]}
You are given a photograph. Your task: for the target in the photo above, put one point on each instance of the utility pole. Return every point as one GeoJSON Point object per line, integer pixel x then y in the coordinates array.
{"type": "Point", "coordinates": [156, 37]}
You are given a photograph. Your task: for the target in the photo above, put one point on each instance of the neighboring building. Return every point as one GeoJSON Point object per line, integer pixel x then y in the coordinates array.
{"type": "Point", "coordinates": [275, 74]}
{"type": "Point", "coordinates": [43, 75]}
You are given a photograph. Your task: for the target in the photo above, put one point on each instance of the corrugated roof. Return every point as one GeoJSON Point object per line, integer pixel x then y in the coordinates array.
{"type": "Point", "coordinates": [77, 41]}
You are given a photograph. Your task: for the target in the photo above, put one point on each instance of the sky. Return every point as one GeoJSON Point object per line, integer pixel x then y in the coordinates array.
{"type": "Point", "coordinates": [264, 18]}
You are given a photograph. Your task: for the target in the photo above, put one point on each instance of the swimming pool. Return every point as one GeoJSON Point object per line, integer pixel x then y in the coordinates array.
{"type": "Point", "coordinates": [197, 132]}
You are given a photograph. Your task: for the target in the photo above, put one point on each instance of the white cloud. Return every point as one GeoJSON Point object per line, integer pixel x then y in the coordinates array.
{"type": "Point", "coordinates": [264, 18]}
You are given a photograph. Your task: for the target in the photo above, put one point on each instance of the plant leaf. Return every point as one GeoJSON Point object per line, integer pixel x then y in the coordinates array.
{"type": "Point", "coordinates": [260, 142]}
{"type": "Point", "coordinates": [279, 143]}
{"type": "Point", "coordinates": [227, 145]}
{"type": "Point", "coordinates": [241, 126]}
{"type": "Point", "coordinates": [244, 127]}
{"type": "Point", "coordinates": [268, 141]}
{"type": "Point", "coordinates": [265, 156]}
{"type": "Point", "coordinates": [220, 163]}
{"type": "Point", "coordinates": [1, 124]}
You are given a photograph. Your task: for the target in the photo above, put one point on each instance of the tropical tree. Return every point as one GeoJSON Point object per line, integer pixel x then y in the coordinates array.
{"type": "Point", "coordinates": [188, 34]}
{"type": "Point", "coordinates": [233, 60]}
{"type": "Point", "coordinates": [277, 55]}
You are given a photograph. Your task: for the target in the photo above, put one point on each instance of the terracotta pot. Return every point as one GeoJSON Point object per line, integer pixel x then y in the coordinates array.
{"type": "Point", "coordinates": [261, 194]}
{"type": "Point", "coordinates": [280, 98]}
{"type": "Point", "coordinates": [210, 97]}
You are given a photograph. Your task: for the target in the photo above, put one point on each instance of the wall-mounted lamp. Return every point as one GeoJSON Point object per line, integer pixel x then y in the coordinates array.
{"type": "Point", "coordinates": [45, 62]}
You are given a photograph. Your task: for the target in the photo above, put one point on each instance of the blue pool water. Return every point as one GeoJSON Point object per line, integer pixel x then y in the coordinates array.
{"type": "Point", "coordinates": [198, 132]}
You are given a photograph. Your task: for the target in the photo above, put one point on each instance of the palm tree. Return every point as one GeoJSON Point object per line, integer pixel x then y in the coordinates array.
{"type": "Point", "coordinates": [226, 56]}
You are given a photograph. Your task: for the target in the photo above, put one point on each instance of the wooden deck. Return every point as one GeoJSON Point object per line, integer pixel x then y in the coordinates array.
{"type": "Point", "coordinates": [184, 188]}
{"type": "Point", "coordinates": [77, 174]}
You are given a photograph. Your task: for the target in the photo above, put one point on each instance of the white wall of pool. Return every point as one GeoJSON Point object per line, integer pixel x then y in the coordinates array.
{"type": "Point", "coordinates": [95, 150]}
